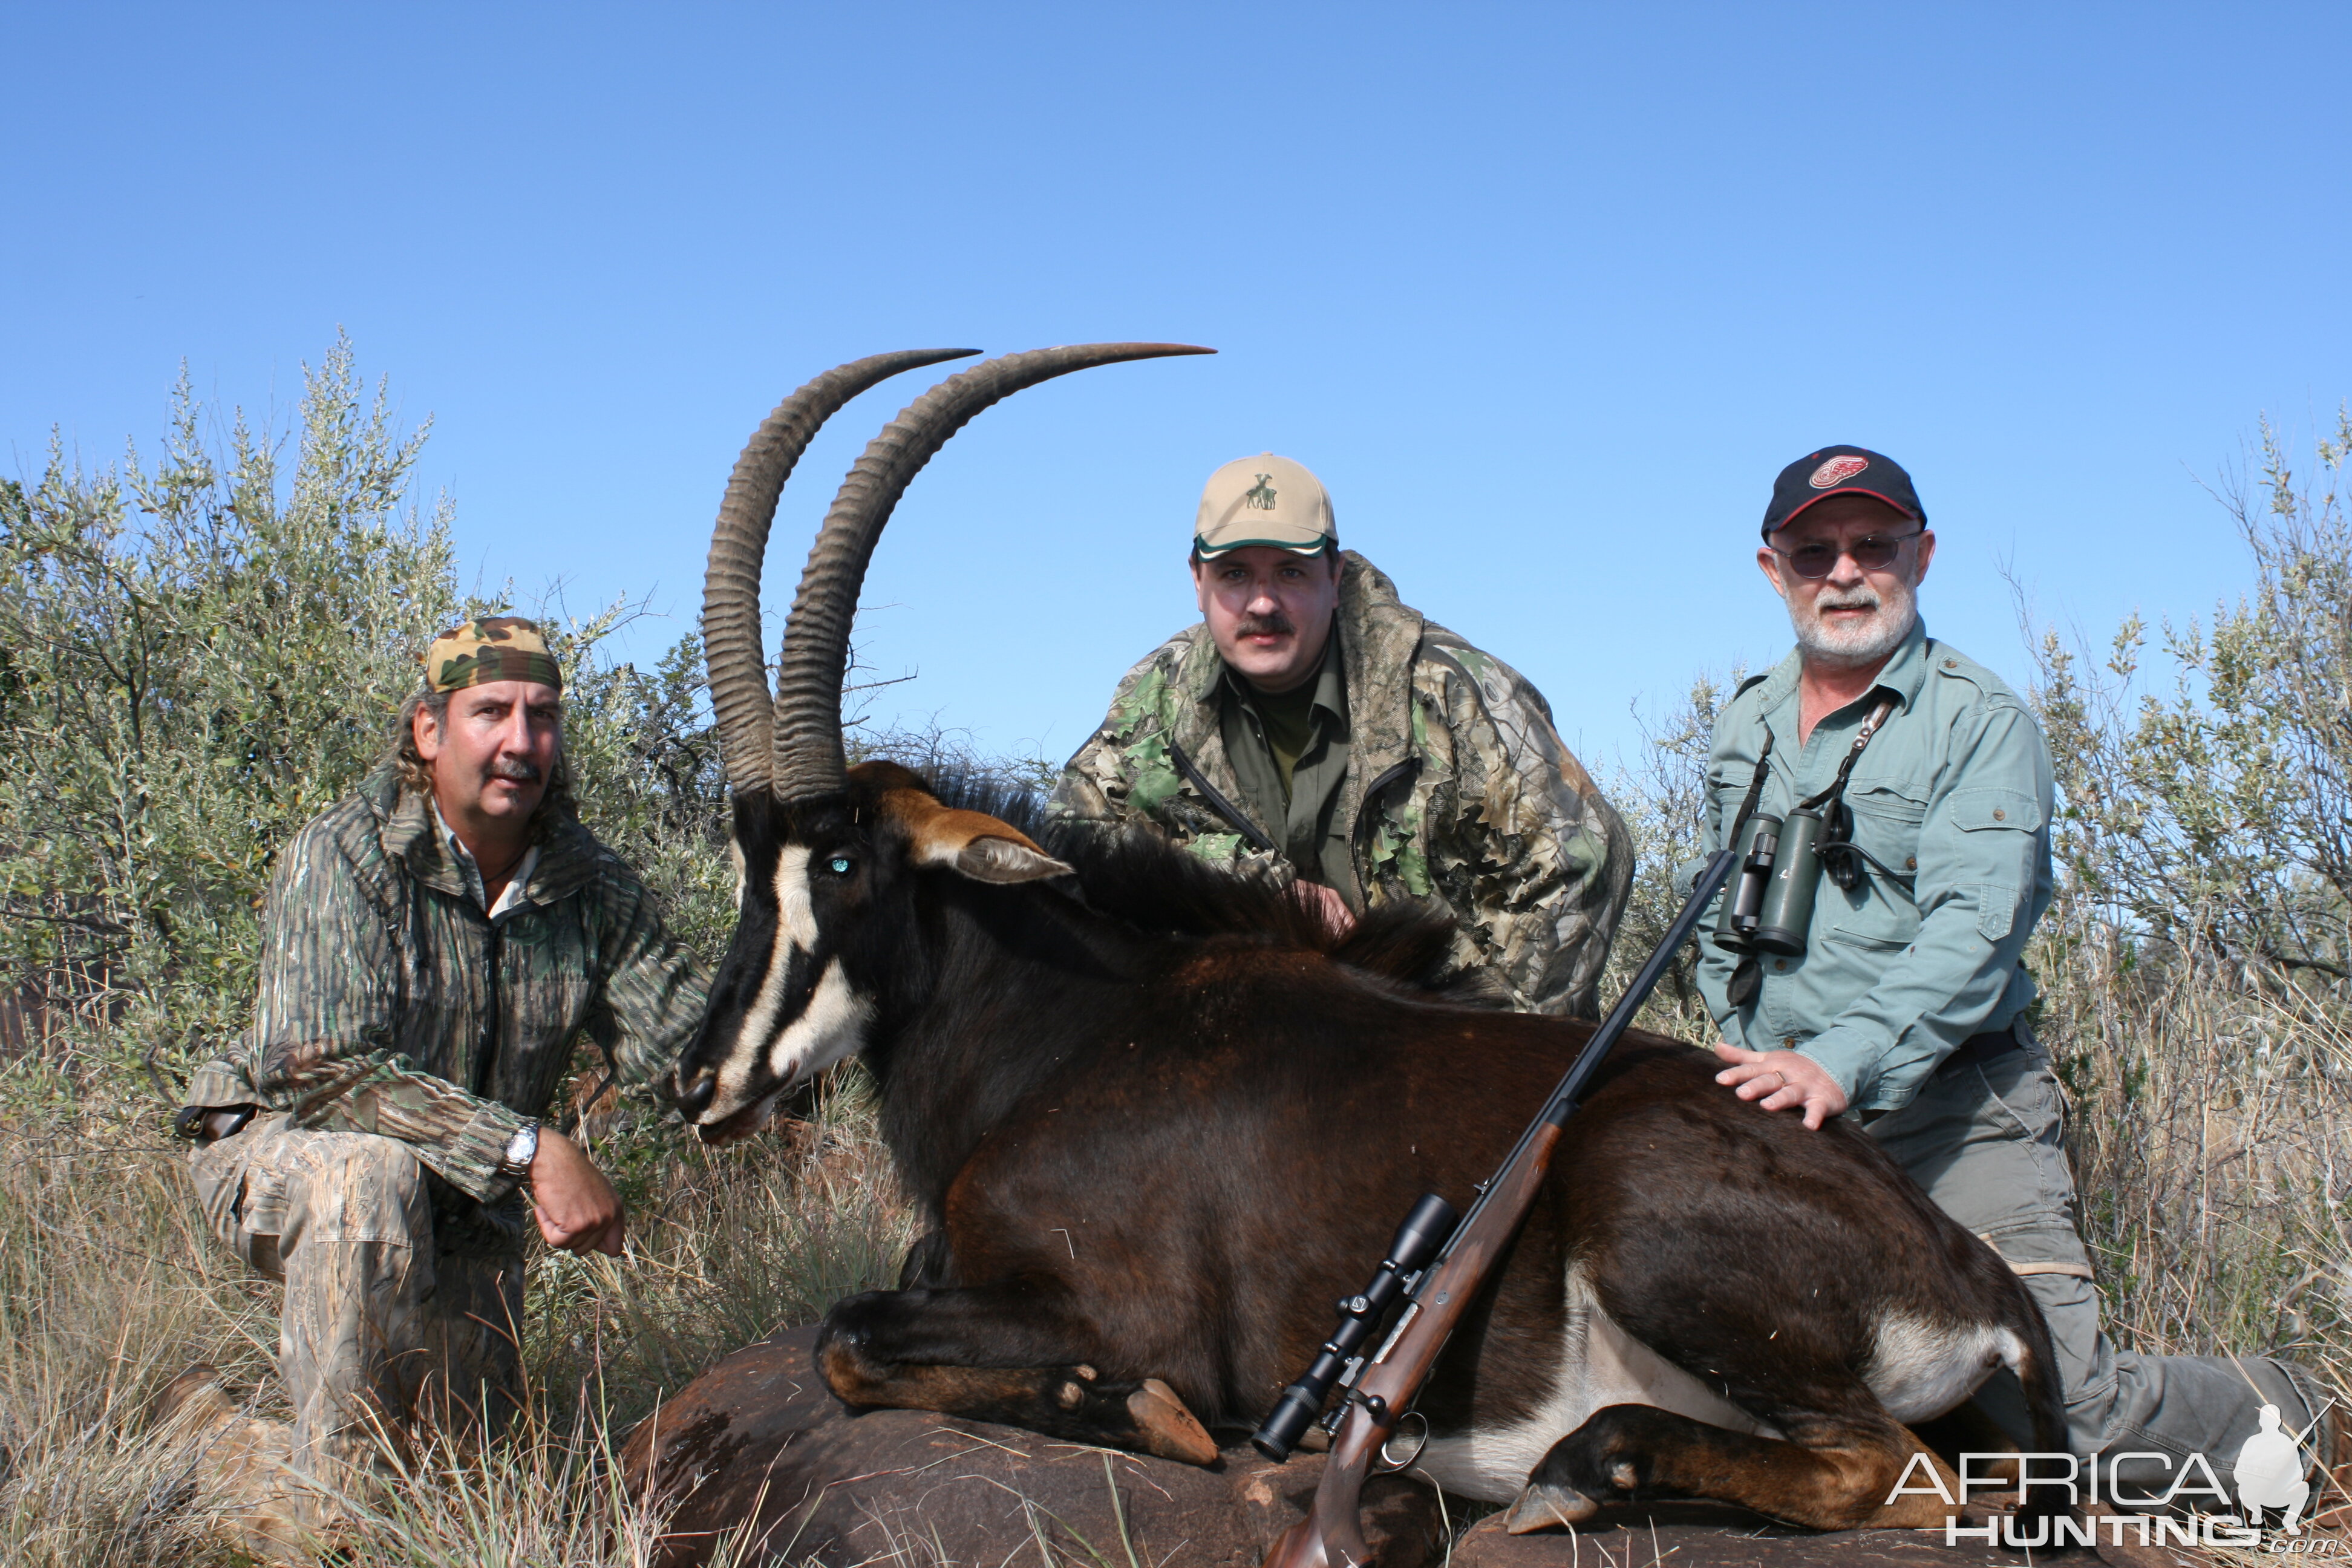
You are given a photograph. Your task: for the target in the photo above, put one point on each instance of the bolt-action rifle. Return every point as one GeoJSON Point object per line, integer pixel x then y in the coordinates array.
{"type": "Point", "coordinates": [1435, 1268]}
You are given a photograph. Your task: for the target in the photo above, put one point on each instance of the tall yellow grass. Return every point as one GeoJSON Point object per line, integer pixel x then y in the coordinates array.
{"type": "Point", "coordinates": [110, 1286]}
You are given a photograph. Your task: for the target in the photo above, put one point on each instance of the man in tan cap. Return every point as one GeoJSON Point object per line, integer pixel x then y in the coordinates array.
{"type": "Point", "coordinates": [433, 945]}
{"type": "Point", "coordinates": [1315, 727]}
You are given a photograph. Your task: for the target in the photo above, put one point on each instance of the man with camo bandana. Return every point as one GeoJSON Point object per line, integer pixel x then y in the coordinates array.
{"type": "Point", "coordinates": [1317, 728]}
{"type": "Point", "coordinates": [434, 945]}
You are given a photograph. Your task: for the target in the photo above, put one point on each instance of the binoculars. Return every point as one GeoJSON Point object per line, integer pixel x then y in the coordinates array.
{"type": "Point", "coordinates": [1770, 905]}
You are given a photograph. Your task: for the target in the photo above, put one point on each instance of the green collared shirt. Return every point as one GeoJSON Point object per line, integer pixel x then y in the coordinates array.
{"type": "Point", "coordinates": [1299, 799]}
{"type": "Point", "coordinates": [1954, 793]}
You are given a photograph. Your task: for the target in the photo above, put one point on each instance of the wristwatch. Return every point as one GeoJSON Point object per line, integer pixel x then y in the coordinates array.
{"type": "Point", "coordinates": [521, 1150]}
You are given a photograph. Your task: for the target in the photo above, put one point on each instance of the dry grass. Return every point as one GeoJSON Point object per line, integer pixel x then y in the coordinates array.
{"type": "Point", "coordinates": [2210, 1119]}
{"type": "Point", "coordinates": [109, 1287]}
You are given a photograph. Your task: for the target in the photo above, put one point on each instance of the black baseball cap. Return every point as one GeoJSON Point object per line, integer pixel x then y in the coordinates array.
{"type": "Point", "coordinates": [1841, 470]}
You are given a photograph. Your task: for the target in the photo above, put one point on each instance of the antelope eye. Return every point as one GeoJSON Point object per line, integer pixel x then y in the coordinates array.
{"type": "Point", "coordinates": [838, 865]}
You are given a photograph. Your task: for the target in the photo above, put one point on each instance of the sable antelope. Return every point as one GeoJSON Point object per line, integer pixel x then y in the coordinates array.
{"type": "Point", "coordinates": [1160, 1118]}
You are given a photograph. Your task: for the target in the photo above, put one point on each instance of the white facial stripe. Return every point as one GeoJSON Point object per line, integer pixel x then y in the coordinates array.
{"type": "Point", "coordinates": [831, 1022]}
{"type": "Point", "coordinates": [735, 854]}
{"type": "Point", "coordinates": [832, 1025]}
{"type": "Point", "coordinates": [795, 919]}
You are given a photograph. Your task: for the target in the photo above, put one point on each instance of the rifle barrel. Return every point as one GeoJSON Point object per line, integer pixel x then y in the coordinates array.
{"type": "Point", "coordinates": [1570, 1089]}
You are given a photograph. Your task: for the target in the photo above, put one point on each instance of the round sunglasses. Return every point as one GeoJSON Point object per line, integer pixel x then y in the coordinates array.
{"type": "Point", "coordinates": [1872, 553]}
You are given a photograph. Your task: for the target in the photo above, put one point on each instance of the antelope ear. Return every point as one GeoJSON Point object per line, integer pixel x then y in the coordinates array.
{"type": "Point", "coordinates": [972, 843]}
{"type": "Point", "coordinates": [994, 859]}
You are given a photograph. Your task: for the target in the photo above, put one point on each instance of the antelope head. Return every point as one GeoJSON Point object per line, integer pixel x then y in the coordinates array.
{"type": "Point", "coordinates": [827, 857]}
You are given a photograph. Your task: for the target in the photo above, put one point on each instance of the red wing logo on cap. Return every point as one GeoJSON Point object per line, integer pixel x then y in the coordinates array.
{"type": "Point", "coordinates": [1836, 471]}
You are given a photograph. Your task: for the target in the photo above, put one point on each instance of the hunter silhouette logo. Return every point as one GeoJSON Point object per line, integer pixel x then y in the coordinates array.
{"type": "Point", "coordinates": [1259, 497]}
{"type": "Point", "coordinates": [2270, 1472]}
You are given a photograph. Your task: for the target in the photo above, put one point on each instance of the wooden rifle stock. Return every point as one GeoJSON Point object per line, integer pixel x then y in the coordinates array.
{"type": "Point", "coordinates": [1331, 1535]}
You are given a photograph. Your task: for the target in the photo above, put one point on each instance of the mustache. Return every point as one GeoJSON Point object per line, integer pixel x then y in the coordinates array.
{"type": "Point", "coordinates": [1855, 599]}
{"type": "Point", "coordinates": [515, 770]}
{"type": "Point", "coordinates": [1277, 624]}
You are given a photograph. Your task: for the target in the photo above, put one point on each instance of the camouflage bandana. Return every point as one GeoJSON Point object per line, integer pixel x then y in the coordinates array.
{"type": "Point", "coordinates": [494, 647]}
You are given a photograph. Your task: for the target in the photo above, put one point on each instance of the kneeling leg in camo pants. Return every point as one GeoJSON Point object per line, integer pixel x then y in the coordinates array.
{"type": "Point", "coordinates": [379, 1328]}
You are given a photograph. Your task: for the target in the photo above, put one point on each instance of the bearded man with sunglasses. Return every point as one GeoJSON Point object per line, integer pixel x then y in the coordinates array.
{"type": "Point", "coordinates": [1904, 1002]}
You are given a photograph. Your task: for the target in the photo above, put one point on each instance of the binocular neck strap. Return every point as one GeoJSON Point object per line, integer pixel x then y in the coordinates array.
{"type": "Point", "coordinates": [1755, 793]}
{"type": "Point", "coordinates": [1861, 739]}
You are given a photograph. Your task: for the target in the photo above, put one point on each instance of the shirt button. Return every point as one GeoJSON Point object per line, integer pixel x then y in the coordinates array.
{"type": "Point", "coordinates": [1788, 1042]}
{"type": "Point", "coordinates": [1911, 863]}
{"type": "Point", "coordinates": [1998, 815]}
{"type": "Point", "coordinates": [1780, 963]}
{"type": "Point", "coordinates": [1951, 664]}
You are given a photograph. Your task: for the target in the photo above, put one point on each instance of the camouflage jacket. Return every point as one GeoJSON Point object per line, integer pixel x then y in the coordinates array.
{"type": "Point", "coordinates": [1457, 787]}
{"type": "Point", "coordinates": [390, 1003]}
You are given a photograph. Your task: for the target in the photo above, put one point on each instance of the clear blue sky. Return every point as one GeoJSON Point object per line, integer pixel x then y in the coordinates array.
{"type": "Point", "coordinates": [1546, 295]}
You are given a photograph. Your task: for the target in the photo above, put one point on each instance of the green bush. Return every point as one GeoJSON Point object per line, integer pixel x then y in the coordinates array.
{"type": "Point", "coordinates": [2217, 818]}
{"type": "Point", "coordinates": [199, 653]}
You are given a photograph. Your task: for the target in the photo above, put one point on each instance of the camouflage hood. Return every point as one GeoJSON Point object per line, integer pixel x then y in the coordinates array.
{"type": "Point", "coordinates": [1457, 788]}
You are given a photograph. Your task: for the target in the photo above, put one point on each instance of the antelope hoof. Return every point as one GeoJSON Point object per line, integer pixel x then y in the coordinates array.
{"type": "Point", "coordinates": [1543, 1506]}
{"type": "Point", "coordinates": [1165, 1428]}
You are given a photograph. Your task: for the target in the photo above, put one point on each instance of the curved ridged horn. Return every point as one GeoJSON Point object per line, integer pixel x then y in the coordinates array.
{"type": "Point", "coordinates": [809, 760]}
{"type": "Point", "coordinates": [731, 639]}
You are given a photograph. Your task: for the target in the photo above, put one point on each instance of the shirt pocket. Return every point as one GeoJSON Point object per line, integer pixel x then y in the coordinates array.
{"type": "Point", "coordinates": [1872, 934]}
{"type": "Point", "coordinates": [1994, 810]}
{"type": "Point", "coordinates": [1997, 846]}
{"type": "Point", "coordinates": [262, 1209]}
{"type": "Point", "coordinates": [1880, 915]}
{"type": "Point", "coordinates": [1886, 823]}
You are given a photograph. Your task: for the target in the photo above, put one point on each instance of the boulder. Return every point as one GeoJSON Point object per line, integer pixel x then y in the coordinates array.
{"type": "Point", "coordinates": [758, 1451]}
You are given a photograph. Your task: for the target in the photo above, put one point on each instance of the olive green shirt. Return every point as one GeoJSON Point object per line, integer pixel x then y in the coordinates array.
{"type": "Point", "coordinates": [1953, 794]}
{"type": "Point", "coordinates": [1290, 754]}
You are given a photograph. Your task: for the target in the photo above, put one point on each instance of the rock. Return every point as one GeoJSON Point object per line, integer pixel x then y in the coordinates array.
{"type": "Point", "coordinates": [757, 1450]}
{"type": "Point", "coordinates": [1708, 1535]}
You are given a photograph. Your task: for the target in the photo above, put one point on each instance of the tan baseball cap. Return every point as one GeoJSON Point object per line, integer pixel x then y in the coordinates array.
{"type": "Point", "coordinates": [1263, 499]}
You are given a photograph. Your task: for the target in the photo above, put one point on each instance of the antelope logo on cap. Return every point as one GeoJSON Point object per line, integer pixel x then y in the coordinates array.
{"type": "Point", "coordinates": [1259, 497]}
{"type": "Point", "coordinates": [1836, 471]}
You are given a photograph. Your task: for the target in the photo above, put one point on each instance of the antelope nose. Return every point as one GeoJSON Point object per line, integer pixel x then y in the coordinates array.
{"type": "Point", "coordinates": [694, 1095]}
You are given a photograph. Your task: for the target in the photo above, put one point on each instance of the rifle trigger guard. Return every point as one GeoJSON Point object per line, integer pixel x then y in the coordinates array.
{"type": "Point", "coordinates": [1412, 1425]}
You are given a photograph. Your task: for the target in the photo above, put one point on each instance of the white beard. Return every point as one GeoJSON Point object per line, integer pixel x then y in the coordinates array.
{"type": "Point", "coordinates": [1853, 644]}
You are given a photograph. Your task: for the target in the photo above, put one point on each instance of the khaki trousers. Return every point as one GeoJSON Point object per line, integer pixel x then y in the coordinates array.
{"type": "Point", "coordinates": [1986, 1139]}
{"type": "Point", "coordinates": [381, 1331]}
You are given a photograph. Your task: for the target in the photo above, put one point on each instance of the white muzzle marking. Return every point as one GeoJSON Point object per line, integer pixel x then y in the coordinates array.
{"type": "Point", "coordinates": [830, 1027]}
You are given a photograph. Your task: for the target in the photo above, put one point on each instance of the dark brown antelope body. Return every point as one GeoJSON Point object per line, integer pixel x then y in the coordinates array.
{"type": "Point", "coordinates": [1159, 1119]}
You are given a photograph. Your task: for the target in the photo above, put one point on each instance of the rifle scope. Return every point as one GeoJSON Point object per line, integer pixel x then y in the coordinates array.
{"type": "Point", "coordinates": [1425, 1231]}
